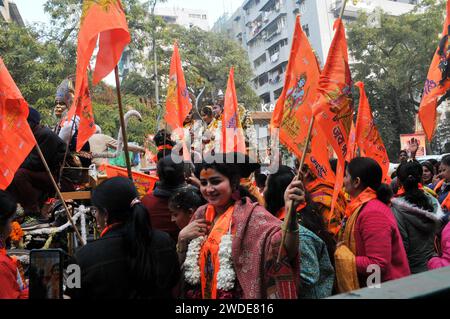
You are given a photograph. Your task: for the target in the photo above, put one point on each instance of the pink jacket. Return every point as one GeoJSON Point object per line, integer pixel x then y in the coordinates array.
{"type": "Point", "coordinates": [378, 242]}
{"type": "Point", "coordinates": [444, 260]}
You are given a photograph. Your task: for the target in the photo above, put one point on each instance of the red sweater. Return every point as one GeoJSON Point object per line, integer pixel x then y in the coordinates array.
{"type": "Point", "coordinates": [160, 215]}
{"type": "Point", "coordinates": [378, 241]}
{"type": "Point", "coordinates": [9, 288]}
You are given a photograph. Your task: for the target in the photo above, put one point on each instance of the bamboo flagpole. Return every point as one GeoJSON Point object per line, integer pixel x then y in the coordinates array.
{"type": "Point", "coordinates": [69, 215]}
{"type": "Point", "coordinates": [290, 205]}
{"type": "Point", "coordinates": [343, 9]}
{"type": "Point", "coordinates": [122, 124]}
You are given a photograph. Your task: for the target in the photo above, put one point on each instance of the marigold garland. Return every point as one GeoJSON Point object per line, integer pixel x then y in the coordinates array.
{"type": "Point", "coordinates": [16, 232]}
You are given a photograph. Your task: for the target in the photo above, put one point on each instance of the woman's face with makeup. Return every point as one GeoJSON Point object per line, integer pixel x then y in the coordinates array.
{"type": "Point", "coordinates": [215, 187]}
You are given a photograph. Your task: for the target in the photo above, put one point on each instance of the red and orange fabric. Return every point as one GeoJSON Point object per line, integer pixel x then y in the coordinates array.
{"type": "Point", "coordinates": [210, 250]}
{"type": "Point", "coordinates": [16, 138]}
{"type": "Point", "coordinates": [334, 107]}
{"type": "Point", "coordinates": [178, 104]}
{"type": "Point", "coordinates": [446, 203]}
{"type": "Point", "coordinates": [437, 82]}
{"type": "Point", "coordinates": [293, 113]}
{"type": "Point", "coordinates": [233, 139]}
{"type": "Point", "coordinates": [367, 136]}
{"type": "Point", "coordinates": [105, 22]}
{"type": "Point", "coordinates": [321, 193]}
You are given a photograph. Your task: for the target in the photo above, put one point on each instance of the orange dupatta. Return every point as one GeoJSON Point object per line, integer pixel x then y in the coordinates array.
{"type": "Point", "coordinates": [446, 203]}
{"type": "Point", "coordinates": [345, 255]}
{"type": "Point", "coordinates": [209, 254]}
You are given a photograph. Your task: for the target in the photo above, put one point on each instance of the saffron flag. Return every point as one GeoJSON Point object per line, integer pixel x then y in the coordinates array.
{"type": "Point", "coordinates": [16, 138]}
{"type": "Point", "coordinates": [293, 112]}
{"type": "Point", "coordinates": [104, 22]}
{"type": "Point", "coordinates": [232, 133]}
{"type": "Point", "coordinates": [352, 145]}
{"type": "Point", "coordinates": [144, 183]}
{"type": "Point", "coordinates": [178, 104]}
{"type": "Point", "coordinates": [367, 135]}
{"type": "Point", "coordinates": [334, 107]}
{"type": "Point", "coordinates": [437, 82]}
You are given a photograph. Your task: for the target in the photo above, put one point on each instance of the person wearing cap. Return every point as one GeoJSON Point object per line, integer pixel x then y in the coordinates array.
{"type": "Point", "coordinates": [31, 180]}
{"type": "Point", "coordinates": [230, 247]}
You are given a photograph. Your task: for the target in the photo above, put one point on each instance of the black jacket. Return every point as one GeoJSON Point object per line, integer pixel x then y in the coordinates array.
{"type": "Point", "coordinates": [104, 273]}
{"type": "Point", "coordinates": [52, 147]}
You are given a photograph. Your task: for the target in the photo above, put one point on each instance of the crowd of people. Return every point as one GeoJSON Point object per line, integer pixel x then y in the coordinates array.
{"type": "Point", "coordinates": [218, 231]}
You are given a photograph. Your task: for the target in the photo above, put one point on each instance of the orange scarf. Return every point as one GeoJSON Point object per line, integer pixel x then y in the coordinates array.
{"type": "Point", "coordinates": [108, 228]}
{"type": "Point", "coordinates": [446, 203]}
{"type": "Point", "coordinates": [365, 196]}
{"type": "Point", "coordinates": [209, 254]}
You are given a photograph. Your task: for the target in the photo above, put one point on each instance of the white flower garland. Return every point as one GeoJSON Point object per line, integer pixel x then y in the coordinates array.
{"type": "Point", "coordinates": [226, 276]}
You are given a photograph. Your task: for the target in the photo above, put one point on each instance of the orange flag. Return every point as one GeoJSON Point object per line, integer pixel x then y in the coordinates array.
{"type": "Point", "coordinates": [232, 134]}
{"type": "Point", "coordinates": [16, 138]}
{"type": "Point", "coordinates": [293, 112]}
{"type": "Point", "coordinates": [367, 135]}
{"type": "Point", "coordinates": [104, 22]}
{"type": "Point", "coordinates": [352, 145]}
{"type": "Point", "coordinates": [334, 107]}
{"type": "Point", "coordinates": [178, 104]}
{"type": "Point", "coordinates": [437, 82]}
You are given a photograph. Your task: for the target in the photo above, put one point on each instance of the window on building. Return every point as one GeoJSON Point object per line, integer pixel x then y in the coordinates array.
{"type": "Point", "coordinates": [277, 93]}
{"type": "Point", "coordinates": [204, 17]}
{"type": "Point", "coordinates": [1, 3]}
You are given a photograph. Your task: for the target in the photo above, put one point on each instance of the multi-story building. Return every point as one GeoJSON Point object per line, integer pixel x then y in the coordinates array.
{"type": "Point", "coordinates": [187, 18]}
{"type": "Point", "coordinates": [184, 17]}
{"type": "Point", "coordinates": [10, 13]}
{"type": "Point", "coordinates": [264, 29]}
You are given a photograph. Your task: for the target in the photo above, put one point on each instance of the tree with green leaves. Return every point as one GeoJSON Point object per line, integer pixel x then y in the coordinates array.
{"type": "Point", "coordinates": [392, 59]}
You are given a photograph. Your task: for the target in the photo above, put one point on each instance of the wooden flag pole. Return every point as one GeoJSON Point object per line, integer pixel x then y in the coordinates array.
{"type": "Point", "coordinates": [69, 215]}
{"type": "Point", "coordinates": [342, 9]}
{"type": "Point", "coordinates": [290, 205]}
{"type": "Point", "coordinates": [122, 124]}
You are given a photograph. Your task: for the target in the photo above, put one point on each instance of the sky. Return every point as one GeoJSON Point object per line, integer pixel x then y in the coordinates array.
{"type": "Point", "coordinates": [33, 11]}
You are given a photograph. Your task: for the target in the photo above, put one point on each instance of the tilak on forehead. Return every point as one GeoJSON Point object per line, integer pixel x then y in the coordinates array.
{"type": "Point", "coordinates": [207, 173]}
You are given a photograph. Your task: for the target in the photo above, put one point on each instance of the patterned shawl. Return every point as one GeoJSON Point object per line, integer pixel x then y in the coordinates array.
{"type": "Point", "coordinates": [255, 249]}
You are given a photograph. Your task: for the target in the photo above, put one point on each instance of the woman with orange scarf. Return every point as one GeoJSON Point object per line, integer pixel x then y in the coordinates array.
{"type": "Point", "coordinates": [443, 187]}
{"type": "Point", "coordinates": [230, 247]}
{"type": "Point", "coordinates": [369, 239]}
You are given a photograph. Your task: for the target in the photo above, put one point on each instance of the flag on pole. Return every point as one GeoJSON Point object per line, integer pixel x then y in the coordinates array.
{"type": "Point", "coordinates": [437, 82]}
{"type": "Point", "coordinates": [367, 135]}
{"type": "Point", "coordinates": [232, 133]}
{"type": "Point", "coordinates": [16, 138]}
{"type": "Point", "coordinates": [334, 107]}
{"type": "Point", "coordinates": [178, 104]}
{"type": "Point", "coordinates": [106, 23]}
{"type": "Point", "coordinates": [293, 111]}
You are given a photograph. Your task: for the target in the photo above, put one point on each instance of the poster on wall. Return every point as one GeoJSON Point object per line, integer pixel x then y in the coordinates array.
{"type": "Point", "coordinates": [406, 140]}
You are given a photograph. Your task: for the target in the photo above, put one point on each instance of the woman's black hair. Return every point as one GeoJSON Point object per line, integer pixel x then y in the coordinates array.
{"type": "Point", "coordinates": [115, 196]}
{"type": "Point", "coordinates": [8, 207]}
{"type": "Point", "coordinates": [187, 198]}
{"type": "Point", "coordinates": [370, 175]}
{"type": "Point", "coordinates": [170, 173]}
{"type": "Point", "coordinates": [311, 219]}
{"type": "Point", "coordinates": [276, 186]}
{"type": "Point", "coordinates": [446, 160]}
{"type": "Point", "coordinates": [430, 167]}
{"type": "Point", "coordinates": [232, 165]}
{"type": "Point", "coordinates": [410, 176]}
